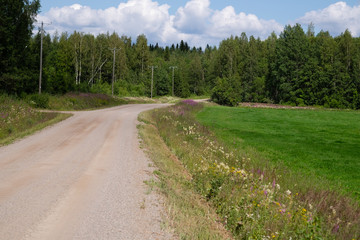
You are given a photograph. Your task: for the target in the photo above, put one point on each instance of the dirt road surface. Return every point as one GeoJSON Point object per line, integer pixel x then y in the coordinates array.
{"type": "Point", "coordinates": [80, 179]}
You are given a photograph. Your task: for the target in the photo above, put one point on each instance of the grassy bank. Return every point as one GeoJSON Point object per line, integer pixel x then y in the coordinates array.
{"type": "Point", "coordinates": [188, 213]}
{"type": "Point", "coordinates": [18, 119]}
{"type": "Point", "coordinates": [89, 101]}
{"type": "Point", "coordinates": [253, 201]}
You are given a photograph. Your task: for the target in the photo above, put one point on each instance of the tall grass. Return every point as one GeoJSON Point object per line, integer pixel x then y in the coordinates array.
{"type": "Point", "coordinates": [251, 201]}
{"type": "Point", "coordinates": [17, 119]}
{"type": "Point", "coordinates": [82, 101]}
{"type": "Point", "coordinates": [187, 213]}
{"type": "Point", "coordinates": [86, 101]}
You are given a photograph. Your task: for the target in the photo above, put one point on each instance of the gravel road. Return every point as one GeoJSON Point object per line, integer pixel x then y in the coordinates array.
{"type": "Point", "coordinates": [80, 179]}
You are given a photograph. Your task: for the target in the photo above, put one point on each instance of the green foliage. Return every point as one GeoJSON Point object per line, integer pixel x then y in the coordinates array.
{"type": "Point", "coordinates": [227, 91]}
{"type": "Point", "coordinates": [16, 24]}
{"type": "Point", "coordinates": [297, 67]}
{"type": "Point", "coordinates": [39, 100]}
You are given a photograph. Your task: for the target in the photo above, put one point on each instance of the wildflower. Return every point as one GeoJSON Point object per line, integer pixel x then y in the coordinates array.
{"type": "Point", "coordinates": [190, 102]}
{"type": "Point", "coordinates": [288, 192]}
{"type": "Point", "coordinates": [333, 210]}
{"type": "Point", "coordinates": [310, 206]}
{"type": "Point", "coordinates": [336, 228]}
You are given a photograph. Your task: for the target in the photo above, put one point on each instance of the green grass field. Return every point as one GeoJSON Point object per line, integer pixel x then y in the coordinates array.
{"type": "Point", "coordinates": [321, 142]}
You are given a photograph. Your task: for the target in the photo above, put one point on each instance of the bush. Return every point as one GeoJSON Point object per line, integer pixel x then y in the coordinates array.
{"type": "Point", "coordinates": [227, 91]}
{"type": "Point", "coordinates": [39, 100]}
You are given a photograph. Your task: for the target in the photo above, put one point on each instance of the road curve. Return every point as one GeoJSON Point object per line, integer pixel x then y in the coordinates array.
{"type": "Point", "coordinates": [80, 179]}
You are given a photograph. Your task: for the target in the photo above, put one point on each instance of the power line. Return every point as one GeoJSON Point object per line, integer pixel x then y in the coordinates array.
{"type": "Point", "coordinates": [173, 69]}
{"type": "Point", "coordinates": [113, 75]}
{"type": "Point", "coordinates": [152, 78]}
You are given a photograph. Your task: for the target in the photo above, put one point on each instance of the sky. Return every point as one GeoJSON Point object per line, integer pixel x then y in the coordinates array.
{"type": "Point", "coordinates": [198, 22]}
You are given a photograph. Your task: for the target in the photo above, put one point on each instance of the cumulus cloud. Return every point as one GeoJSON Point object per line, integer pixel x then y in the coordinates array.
{"type": "Point", "coordinates": [193, 18]}
{"type": "Point", "coordinates": [195, 23]}
{"type": "Point", "coordinates": [227, 21]}
{"type": "Point", "coordinates": [132, 18]}
{"type": "Point", "coordinates": [336, 18]}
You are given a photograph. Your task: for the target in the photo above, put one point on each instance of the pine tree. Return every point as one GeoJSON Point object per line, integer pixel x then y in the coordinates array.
{"type": "Point", "coordinates": [16, 24]}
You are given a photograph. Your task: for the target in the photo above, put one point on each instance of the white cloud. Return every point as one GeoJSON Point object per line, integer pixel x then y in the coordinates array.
{"type": "Point", "coordinates": [227, 22]}
{"type": "Point", "coordinates": [193, 18]}
{"type": "Point", "coordinates": [195, 23]}
{"type": "Point", "coordinates": [336, 18]}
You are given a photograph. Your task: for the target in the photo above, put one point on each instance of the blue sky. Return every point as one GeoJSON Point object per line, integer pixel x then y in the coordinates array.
{"type": "Point", "coordinates": [283, 11]}
{"type": "Point", "coordinates": [197, 21]}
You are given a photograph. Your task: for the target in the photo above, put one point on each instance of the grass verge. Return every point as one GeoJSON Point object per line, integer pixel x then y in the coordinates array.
{"type": "Point", "coordinates": [189, 214]}
{"type": "Point", "coordinates": [253, 201]}
{"type": "Point", "coordinates": [89, 101]}
{"type": "Point", "coordinates": [18, 119]}
{"type": "Point", "coordinates": [84, 101]}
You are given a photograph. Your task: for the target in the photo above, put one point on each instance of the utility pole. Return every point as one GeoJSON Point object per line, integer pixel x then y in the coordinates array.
{"type": "Point", "coordinates": [41, 53]}
{"type": "Point", "coordinates": [41, 50]}
{"type": "Point", "coordinates": [173, 69]}
{"type": "Point", "coordinates": [152, 78]}
{"type": "Point", "coordinates": [113, 75]}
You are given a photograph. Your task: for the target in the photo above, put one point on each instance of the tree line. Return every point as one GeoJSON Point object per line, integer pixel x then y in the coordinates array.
{"type": "Point", "coordinates": [297, 67]}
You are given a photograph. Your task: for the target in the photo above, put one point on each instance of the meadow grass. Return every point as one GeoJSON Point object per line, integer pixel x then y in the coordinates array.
{"type": "Point", "coordinates": [18, 119]}
{"type": "Point", "coordinates": [253, 200]}
{"type": "Point", "coordinates": [320, 143]}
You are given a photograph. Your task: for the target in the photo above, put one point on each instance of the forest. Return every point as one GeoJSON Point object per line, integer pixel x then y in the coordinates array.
{"type": "Point", "coordinates": [297, 67]}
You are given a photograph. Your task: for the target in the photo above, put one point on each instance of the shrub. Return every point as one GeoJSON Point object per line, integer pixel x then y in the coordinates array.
{"type": "Point", "coordinates": [39, 100]}
{"type": "Point", "coordinates": [227, 91]}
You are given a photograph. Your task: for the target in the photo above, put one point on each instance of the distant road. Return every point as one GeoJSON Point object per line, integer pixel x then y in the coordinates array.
{"type": "Point", "coordinates": [80, 179]}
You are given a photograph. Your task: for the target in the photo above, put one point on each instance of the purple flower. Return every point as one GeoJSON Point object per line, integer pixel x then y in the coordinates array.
{"type": "Point", "coordinates": [336, 228]}
{"type": "Point", "coordinates": [190, 102]}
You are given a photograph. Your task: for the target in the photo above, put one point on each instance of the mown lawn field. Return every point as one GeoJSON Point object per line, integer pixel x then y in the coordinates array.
{"type": "Point", "coordinates": [324, 143]}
